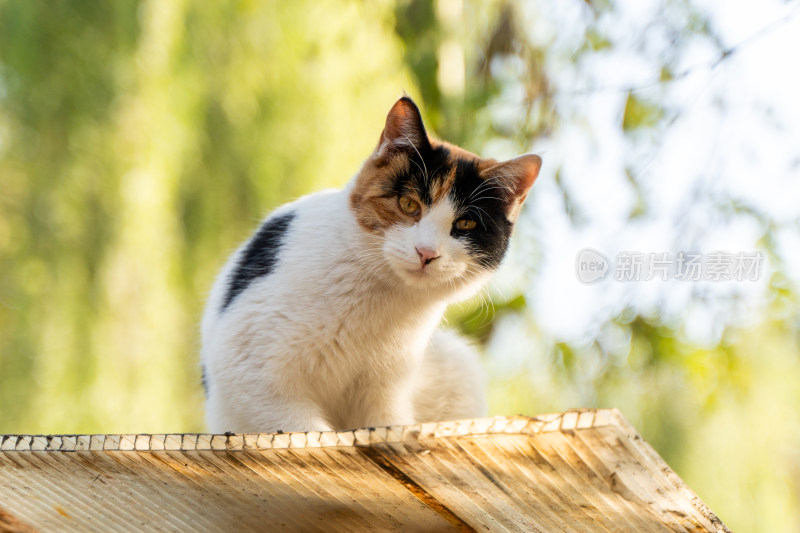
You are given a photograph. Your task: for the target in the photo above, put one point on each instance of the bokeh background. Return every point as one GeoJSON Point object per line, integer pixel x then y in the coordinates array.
{"type": "Point", "coordinates": [141, 141]}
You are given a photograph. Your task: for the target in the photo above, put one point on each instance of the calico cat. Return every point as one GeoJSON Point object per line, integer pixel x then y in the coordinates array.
{"type": "Point", "coordinates": [327, 318]}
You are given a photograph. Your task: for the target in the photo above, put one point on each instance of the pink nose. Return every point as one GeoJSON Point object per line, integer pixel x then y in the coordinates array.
{"type": "Point", "coordinates": [426, 255]}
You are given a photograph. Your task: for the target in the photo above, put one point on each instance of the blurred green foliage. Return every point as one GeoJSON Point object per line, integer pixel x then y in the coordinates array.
{"type": "Point", "coordinates": [640, 114]}
{"type": "Point", "coordinates": [140, 142]}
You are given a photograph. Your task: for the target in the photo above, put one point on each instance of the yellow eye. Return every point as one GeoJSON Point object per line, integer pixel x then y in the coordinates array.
{"type": "Point", "coordinates": [408, 205]}
{"type": "Point", "coordinates": [465, 225]}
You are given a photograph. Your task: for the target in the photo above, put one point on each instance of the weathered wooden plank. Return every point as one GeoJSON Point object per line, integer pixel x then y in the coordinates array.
{"type": "Point", "coordinates": [581, 471]}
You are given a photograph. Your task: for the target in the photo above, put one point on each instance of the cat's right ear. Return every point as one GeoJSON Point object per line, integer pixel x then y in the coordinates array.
{"type": "Point", "coordinates": [404, 131]}
{"type": "Point", "coordinates": [517, 175]}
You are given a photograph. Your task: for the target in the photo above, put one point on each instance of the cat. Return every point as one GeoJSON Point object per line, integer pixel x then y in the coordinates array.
{"type": "Point", "coordinates": [328, 317]}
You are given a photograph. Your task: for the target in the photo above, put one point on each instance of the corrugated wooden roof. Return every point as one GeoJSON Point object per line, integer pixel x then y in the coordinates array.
{"type": "Point", "coordinates": [578, 471]}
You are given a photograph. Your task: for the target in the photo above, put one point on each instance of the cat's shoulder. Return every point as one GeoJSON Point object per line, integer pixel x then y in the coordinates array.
{"type": "Point", "coordinates": [309, 202]}
{"type": "Point", "coordinates": [304, 225]}
{"type": "Point", "coordinates": [317, 216]}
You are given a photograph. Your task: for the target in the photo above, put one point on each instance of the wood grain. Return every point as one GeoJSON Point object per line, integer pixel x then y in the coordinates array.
{"type": "Point", "coordinates": [579, 471]}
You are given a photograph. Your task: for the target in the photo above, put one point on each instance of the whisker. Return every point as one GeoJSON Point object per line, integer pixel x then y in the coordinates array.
{"type": "Point", "coordinates": [494, 181]}
{"type": "Point", "coordinates": [420, 157]}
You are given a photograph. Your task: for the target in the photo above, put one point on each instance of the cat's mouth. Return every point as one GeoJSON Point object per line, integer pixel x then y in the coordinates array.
{"type": "Point", "coordinates": [420, 271]}
{"type": "Point", "coordinates": [427, 274]}
{"type": "Point", "coordinates": [416, 272]}
{"type": "Point", "coordinates": [414, 275]}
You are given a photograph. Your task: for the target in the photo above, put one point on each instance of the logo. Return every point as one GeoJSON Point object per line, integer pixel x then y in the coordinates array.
{"type": "Point", "coordinates": [591, 266]}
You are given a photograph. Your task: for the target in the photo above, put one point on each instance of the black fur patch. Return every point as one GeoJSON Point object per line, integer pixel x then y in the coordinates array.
{"type": "Point", "coordinates": [204, 381]}
{"type": "Point", "coordinates": [260, 256]}
{"type": "Point", "coordinates": [484, 202]}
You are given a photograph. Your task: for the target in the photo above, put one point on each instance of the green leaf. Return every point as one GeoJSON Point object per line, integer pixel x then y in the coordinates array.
{"type": "Point", "coordinates": [640, 114]}
{"type": "Point", "coordinates": [597, 41]}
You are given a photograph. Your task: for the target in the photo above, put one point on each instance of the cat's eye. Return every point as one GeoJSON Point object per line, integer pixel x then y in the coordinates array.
{"type": "Point", "coordinates": [464, 224]}
{"type": "Point", "coordinates": [408, 205]}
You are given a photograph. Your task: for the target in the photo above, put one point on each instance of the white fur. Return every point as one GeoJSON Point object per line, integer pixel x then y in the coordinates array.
{"type": "Point", "coordinates": [341, 333]}
{"type": "Point", "coordinates": [451, 382]}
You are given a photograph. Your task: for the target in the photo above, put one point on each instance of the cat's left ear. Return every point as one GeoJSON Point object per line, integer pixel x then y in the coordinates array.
{"type": "Point", "coordinates": [517, 175]}
{"type": "Point", "coordinates": [404, 131]}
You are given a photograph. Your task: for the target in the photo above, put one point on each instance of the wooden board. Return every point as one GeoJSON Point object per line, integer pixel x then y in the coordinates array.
{"type": "Point", "coordinates": [578, 471]}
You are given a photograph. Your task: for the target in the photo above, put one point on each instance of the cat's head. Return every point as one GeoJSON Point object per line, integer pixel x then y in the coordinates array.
{"type": "Point", "coordinates": [444, 215]}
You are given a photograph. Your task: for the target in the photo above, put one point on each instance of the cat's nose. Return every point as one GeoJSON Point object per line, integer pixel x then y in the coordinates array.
{"type": "Point", "coordinates": [426, 255]}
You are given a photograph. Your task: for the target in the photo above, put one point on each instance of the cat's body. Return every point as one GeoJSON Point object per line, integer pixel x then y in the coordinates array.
{"type": "Point", "coordinates": [343, 340]}
{"type": "Point", "coordinates": [327, 318]}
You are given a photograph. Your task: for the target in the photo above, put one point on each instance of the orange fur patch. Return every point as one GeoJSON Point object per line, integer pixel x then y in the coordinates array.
{"type": "Point", "coordinates": [374, 211]}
